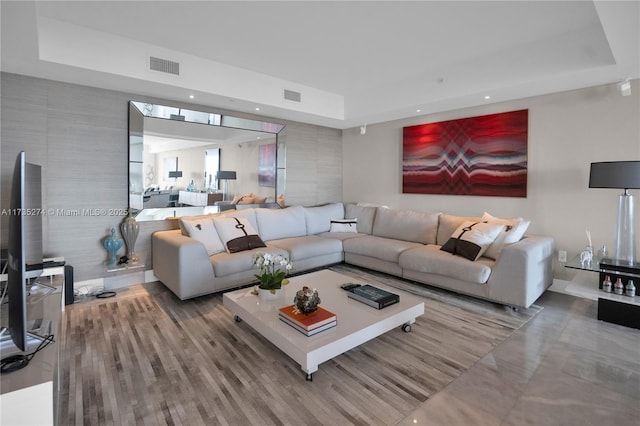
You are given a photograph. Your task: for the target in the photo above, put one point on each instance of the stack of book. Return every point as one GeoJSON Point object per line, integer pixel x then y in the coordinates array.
{"type": "Point", "coordinates": [373, 296]}
{"type": "Point", "coordinates": [308, 324]}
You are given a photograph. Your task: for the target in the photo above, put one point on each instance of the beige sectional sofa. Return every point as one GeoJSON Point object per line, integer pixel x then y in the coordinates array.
{"type": "Point", "coordinates": [399, 242]}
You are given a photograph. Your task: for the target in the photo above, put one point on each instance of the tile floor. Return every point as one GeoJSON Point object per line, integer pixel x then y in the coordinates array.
{"type": "Point", "coordinates": [564, 367]}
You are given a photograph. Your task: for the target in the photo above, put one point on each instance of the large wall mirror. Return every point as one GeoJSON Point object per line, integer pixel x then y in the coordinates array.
{"type": "Point", "coordinates": [184, 162]}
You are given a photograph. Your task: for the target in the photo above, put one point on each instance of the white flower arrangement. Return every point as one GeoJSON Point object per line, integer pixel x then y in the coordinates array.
{"type": "Point", "coordinates": [273, 270]}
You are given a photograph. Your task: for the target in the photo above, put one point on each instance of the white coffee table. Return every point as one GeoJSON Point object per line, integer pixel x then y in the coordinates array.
{"type": "Point", "coordinates": [357, 322]}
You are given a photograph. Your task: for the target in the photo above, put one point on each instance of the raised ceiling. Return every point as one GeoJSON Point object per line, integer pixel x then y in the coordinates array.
{"type": "Point", "coordinates": [352, 63]}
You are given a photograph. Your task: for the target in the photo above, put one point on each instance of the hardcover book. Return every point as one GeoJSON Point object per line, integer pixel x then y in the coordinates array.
{"type": "Point", "coordinates": [308, 332]}
{"type": "Point", "coordinates": [374, 296]}
{"type": "Point", "coordinates": [308, 322]}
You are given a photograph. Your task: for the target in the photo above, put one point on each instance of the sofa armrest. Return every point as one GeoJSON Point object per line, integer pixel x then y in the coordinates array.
{"type": "Point", "coordinates": [523, 271]}
{"type": "Point", "coordinates": [181, 263]}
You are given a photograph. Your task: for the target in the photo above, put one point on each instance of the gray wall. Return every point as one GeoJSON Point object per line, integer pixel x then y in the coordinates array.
{"type": "Point", "coordinates": [567, 131]}
{"type": "Point", "coordinates": [78, 135]}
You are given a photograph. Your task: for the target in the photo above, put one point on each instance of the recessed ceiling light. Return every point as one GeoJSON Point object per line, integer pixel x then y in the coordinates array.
{"type": "Point", "coordinates": [487, 97]}
{"type": "Point", "coordinates": [257, 108]}
{"type": "Point", "coordinates": [191, 96]}
{"type": "Point", "coordinates": [418, 110]}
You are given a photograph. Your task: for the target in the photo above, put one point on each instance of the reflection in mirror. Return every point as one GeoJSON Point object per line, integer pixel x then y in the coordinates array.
{"type": "Point", "coordinates": [176, 155]}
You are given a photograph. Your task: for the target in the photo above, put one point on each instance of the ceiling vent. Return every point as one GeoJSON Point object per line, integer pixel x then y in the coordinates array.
{"type": "Point", "coordinates": [164, 65]}
{"type": "Point", "coordinates": [291, 95]}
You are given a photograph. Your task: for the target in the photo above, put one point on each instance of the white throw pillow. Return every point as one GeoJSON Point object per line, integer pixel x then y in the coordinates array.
{"type": "Point", "coordinates": [231, 228]}
{"type": "Point", "coordinates": [514, 229]}
{"type": "Point", "coordinates": [203, 230]}
{"type": "Point", "coordinates": [472, 239]}
{"type": "Point", "coordinates": [344, 225]}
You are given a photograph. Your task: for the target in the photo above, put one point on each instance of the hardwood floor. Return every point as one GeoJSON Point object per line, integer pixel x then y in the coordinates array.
{"type": "Point", "coordinates": [145, 357]}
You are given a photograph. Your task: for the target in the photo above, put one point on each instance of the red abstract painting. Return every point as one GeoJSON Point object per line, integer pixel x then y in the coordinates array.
{"type": "Point", "coordinates": [484, 155]}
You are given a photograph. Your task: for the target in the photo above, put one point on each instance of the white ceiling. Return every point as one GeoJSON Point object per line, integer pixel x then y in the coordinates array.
{"type": "Point", "coordinates": [353, 62]}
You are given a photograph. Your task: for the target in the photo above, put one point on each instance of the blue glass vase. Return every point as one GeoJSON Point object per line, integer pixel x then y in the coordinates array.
{"type": "Point", "coordinates": [113, 244]}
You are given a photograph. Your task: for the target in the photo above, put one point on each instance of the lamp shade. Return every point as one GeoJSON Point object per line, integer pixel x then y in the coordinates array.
{"type": "Point", "coordinates": [226, 175]}
{"type": "Point", "coordinates": [615, 174]}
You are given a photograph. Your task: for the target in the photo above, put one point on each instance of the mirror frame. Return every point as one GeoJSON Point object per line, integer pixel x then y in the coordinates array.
{"type": "Point", "coordinates": [138, 111]}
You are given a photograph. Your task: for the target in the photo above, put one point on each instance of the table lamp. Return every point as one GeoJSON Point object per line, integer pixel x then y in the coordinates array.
{"type": "Point", "coordinates": [622, 175]}
{"type": "Point", "coordinates": [226, 176]}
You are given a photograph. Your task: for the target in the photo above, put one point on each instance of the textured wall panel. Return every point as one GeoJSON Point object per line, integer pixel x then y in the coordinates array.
{"type": "Point", "coordinates": [78, 134]}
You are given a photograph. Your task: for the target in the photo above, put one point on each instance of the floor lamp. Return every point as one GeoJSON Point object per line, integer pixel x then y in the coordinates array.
{"type": "Point", "coordinates": [226, 176]}
{"type": "Point", "coordinates": [622, 175]}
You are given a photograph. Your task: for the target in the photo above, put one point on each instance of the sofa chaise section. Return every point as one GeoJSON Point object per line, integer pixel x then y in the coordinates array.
{"type": "Point", "coordinates": [517, 278]}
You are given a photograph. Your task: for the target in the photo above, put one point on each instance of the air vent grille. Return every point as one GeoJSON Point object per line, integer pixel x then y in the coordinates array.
{"type": "Point", "coordinates": [164, 65]}
{"type": "Point", "coordinates": [291, 95]}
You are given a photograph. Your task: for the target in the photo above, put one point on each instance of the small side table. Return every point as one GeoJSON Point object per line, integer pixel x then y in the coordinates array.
{"type": "Point", "coordinates": [615, 308]}
{"type": "Point", "coordinates": [124, 275]}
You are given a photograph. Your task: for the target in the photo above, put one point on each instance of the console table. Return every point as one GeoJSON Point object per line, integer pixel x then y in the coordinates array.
{"type": "Point", "coordinates": [193, 198]}
{"type": "Point", "coordinates": [615, 308]}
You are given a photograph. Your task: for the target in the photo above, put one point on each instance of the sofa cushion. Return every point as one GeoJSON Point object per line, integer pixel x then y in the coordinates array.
{"type": "Point", "coordinates": [364, 214]}
{"type": "Point", "coordinates": [237, 234]}
{"type": "Point", "coordinates": [202, 229]}
{"type": "Point", "coordinates": [227, 264]}
{"type": "Point", "coordinates": [513, 232]}
{"type": "Point", "coordinates": [447, 224]}
{"type": "Point", "coordinates": [406, 225]}
{"type": "Point", "coordinates": [430, 259]}
{"type": "Point", "coordinates": [381, 248]}
{"type": "Point", "coordinates": [275, 224]}
{"type": "Point", "coordinates": [471, 239]}
{"type": "Point", "coordinates": [184, 230]}
{"type": "Point", "coordinates": [318, 219]}
{"type": "Point", "coordinates": [300, 248]}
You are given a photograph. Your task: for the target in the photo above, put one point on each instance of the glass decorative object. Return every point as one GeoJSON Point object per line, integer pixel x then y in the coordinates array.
{"type": "Point", "coordinates": [586, 256]}
{"type": "Point", "coordinates": [606, 284]}
{"type": "Point", "coordinates": [130, 229]}
{"type": "Point", "coordinates": [112, 245]}
{"type": "Point", "coordinates": [618, 287]}
{"type": "Point", "coordinates": [625, 230]}
{"type": "Point", "coordinates": [603, 252]}
{"type": "Point", "coordinates": [630, 289]}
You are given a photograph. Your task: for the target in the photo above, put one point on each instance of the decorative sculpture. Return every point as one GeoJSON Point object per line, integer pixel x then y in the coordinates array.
{"type": "Point", "coordinates": [586, 257]}
{"type": "Point", "coordinates": [306, 300]}
{"type": "Point", "coordinates": [112, 245]}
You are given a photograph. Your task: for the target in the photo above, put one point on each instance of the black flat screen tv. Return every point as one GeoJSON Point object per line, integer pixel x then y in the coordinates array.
{"type": "Point", "coordinates": [24, 244]}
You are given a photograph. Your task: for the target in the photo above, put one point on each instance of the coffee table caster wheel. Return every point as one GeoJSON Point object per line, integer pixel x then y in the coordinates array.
{"type": "Point", "coordinates": [406, 328]}
{"type": "Point", "coordinates": [237, 318]}
{"type": "Point", "coordinates": [309, 377]}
